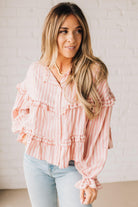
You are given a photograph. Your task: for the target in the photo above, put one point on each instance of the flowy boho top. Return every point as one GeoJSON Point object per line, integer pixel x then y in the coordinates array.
{"type": "Point", "coordinates": [58, 130]}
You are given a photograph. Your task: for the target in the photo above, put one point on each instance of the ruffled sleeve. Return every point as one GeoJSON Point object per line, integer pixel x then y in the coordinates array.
{"type": "Point", "coordinates": [21, 107]}
{"type": "Point", "coordinates": [105, 93]}
{"type": "Point", "coordinates": [99, 140]}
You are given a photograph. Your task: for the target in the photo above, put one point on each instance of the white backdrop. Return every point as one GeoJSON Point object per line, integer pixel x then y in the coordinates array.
{"type": "Point", "coordinates": [114, 28]}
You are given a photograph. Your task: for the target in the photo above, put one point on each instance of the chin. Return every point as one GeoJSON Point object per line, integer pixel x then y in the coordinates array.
{"type": "Point", "coordinates": [69, 56]}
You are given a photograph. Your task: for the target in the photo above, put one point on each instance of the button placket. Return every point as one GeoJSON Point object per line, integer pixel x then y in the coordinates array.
{"type": "Point", "coordinates": [58, 99]}
{"type": "Point", "coordinates": [59, 92]}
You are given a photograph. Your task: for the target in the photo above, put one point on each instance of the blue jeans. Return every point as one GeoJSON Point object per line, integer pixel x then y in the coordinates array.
{"type": "Point", "coordinates": [47, 182]}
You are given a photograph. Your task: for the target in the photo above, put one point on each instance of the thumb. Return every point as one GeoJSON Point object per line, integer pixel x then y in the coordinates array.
{"type": "Point", "coordinates": [82, 195]}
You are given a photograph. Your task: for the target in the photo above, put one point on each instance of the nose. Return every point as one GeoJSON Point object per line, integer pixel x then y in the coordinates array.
{"type": "Point", "coordinates": [71, 37]}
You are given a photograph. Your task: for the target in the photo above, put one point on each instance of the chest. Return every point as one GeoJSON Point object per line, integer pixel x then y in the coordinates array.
{"type": "Point", "coordinates": [49, 88]}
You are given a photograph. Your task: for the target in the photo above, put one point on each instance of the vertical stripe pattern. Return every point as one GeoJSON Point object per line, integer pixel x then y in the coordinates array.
{"type": "Point", "coordinates": [58, 130]}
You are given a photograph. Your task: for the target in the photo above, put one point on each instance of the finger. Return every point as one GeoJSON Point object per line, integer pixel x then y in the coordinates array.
{"type": "Point", "coordinates": [95, 194]}
{"type": "Point", "coordinates": [93, 197]}
{"type": "Point", "coordinates": [88, 198]}
{"type": "Point", "coordinates": [82, 195]}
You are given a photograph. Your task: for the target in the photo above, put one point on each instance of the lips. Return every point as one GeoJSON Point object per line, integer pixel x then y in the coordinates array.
{"type": "Point", "coordinates": [70, 47]}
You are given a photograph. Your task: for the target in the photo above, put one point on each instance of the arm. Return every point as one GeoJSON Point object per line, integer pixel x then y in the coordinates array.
{"type": "Point", "coordinates": [97, 147]}
{"type": "Point", "coordinates": [21, 107]}
{"type": "Point", "coordinates": [98, 133]}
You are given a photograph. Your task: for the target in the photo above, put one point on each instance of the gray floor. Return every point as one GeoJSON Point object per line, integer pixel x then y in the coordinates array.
{"type": "Point", "coordinates": [119, 194]}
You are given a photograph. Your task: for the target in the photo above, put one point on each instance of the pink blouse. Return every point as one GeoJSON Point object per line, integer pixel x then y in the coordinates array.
{"type": "Point", "coordinates": [58, 131]}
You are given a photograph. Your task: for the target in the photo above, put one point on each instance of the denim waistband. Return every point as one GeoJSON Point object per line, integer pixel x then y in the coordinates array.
{"type": "Point", "coordinates": [71, 162]}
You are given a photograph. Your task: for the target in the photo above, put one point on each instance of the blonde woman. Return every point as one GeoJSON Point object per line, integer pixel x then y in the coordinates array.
{"type": "Point", "coordinates": [62, 113]}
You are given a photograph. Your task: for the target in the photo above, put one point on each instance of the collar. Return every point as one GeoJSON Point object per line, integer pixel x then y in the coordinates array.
{"type": "Point", "coordinates": [49, 76]}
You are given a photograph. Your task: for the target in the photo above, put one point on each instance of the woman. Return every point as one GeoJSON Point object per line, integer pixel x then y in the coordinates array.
{"type": "Point", "coordinates": [62, 113]}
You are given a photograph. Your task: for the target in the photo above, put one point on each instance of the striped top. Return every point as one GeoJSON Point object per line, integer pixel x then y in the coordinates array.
{"type": "Point", "coordinates": [57, 129]}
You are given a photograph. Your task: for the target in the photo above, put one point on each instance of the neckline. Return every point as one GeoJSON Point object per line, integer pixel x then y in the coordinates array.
{"type": "Point", "coordinates": [52, 74]}
{"type": "Point", "coordinates": [47, 67]}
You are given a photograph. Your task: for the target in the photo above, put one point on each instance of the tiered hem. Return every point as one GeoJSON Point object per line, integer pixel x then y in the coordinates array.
{"type": "Point", "coordinates": [52, 152]}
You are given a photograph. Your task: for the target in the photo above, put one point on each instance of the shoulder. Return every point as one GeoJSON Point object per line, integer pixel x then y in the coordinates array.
{"type": "Point", "coordinates": [29, 76]}
{"type": "Point", "coordinates": [100, 79]}
{"type": "Point", "coordinates": [34, 68]}
{"type": "Point", "coordinates": [95, 67]}
{"type": "Point", "coordinates": [96, 71]}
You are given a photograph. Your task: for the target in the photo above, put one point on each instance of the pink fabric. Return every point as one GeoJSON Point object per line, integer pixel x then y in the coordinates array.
{"type": "Point", "coordinates": [58, 130]}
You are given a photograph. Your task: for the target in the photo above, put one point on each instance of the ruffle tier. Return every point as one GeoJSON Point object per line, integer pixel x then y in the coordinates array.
{"type": "Point", "coordinates": [106, 96]}
{"type": "Point", "coordinates": [46, 149]}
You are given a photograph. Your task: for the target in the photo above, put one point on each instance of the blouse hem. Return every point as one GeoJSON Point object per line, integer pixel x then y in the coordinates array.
{"type": "Point", "coordinates": [41, 148]}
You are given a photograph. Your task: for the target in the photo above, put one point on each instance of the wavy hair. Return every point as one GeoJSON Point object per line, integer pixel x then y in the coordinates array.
{"type": "Point", "coordinates": [84, 63]}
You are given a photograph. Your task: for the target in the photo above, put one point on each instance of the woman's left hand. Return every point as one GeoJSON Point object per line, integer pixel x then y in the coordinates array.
{"type": "Point", "coordinates": [90, 195]}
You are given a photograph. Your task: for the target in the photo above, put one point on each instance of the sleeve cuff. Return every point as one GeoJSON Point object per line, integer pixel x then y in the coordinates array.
{"type": "Point", "coordinates": [88, 182]}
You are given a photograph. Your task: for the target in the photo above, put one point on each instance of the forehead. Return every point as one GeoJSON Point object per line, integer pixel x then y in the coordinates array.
{"type": "Point", "coordinates": [71, 21]}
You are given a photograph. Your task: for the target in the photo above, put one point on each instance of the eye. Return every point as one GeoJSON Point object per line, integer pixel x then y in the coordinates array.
{"type": "Point", "coordinates": [63, 31]}
{"type": "Point", "coordinates": [79, 31]}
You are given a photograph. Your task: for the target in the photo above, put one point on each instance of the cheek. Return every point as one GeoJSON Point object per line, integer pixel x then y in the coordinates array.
{"type": "Point", "coordinates": [79, 40]}
{"type": "Point", "coordinates": [60, 41]}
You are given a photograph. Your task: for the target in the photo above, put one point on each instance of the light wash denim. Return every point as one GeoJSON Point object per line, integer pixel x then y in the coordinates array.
{"type": "Point", "coordinates": [50, 186]}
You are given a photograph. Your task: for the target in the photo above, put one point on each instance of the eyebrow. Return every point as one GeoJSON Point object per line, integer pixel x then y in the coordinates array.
{"type": "Point", "coordinates": [68, 28]}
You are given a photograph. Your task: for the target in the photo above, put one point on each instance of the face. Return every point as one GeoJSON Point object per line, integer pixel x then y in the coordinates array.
{"type": "Point", "coordinates": [69, 37]}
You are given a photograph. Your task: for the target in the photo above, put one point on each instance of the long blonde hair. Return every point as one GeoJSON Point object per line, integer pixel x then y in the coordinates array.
{"type": "Point", "coordinates": [83, 63]}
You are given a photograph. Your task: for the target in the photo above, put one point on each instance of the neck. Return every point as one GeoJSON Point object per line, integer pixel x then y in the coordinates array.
{"type": "Point", "coordinates": [63, 63]}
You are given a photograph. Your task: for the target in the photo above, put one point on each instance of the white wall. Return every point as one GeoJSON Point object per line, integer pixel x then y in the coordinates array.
{"type": "Point", "coordinates": [114, 28]}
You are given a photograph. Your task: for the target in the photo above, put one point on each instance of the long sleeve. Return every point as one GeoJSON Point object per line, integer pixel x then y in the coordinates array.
{"type": "Point", "coordinates": [20, 110]}
{"type": "Point", "coordinates": [99, 140]}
